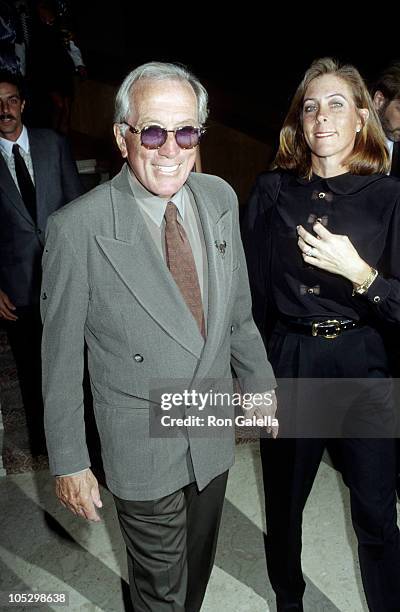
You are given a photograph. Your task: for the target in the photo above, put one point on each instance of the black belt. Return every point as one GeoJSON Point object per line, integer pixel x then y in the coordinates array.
{"type": "Point", "coordinates": [330, 328]}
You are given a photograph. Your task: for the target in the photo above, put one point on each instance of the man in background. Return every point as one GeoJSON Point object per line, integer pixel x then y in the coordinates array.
{"type": "Point", "coordinates": [37, 176]}
{"type": "Point", "coordinates": [386, 96]}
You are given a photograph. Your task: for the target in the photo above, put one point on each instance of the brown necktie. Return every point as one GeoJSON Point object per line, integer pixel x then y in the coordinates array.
{"type": "Point", "coordinates": [180, 262]}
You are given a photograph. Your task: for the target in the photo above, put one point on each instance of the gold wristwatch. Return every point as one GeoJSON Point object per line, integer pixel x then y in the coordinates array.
{"type": "Point", "coordinates": [363, 288]}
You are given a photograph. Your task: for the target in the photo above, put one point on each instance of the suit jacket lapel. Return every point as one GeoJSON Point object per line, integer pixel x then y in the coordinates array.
{"type": "Point", "coordinates": [39, 155]}
{"type": "Point", "coordinates": [8, 186]}
{"type": "Point", "coordinates": [216, 225]}
{"type": "Point", "coordinates": [136, 260]}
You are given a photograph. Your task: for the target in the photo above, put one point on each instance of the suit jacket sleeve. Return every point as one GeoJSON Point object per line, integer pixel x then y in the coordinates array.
{"type": "Point", "coordinates": [64, 304]}
{"type": "Point", "coordinates": [383, 296]}
{"type": "Point", "coordinates": [257, 241]}
{"type": "Point", "coordinates": [248, 355]}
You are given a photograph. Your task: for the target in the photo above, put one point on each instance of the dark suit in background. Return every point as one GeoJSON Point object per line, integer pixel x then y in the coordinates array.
{"type": "Point", "coordinates": [21, 247]}
{"type": "Point", "coordinates": [395, 167]}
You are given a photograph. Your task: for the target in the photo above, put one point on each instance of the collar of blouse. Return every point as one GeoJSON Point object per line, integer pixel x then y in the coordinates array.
{"type": "Point", "coordinates": [345, 183]}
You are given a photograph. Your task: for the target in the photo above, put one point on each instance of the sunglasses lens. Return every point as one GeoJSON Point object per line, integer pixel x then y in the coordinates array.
{"type": "Point", "coordinates": [153, 137]}
{"type": "Point", "coordinates": [187, 137]}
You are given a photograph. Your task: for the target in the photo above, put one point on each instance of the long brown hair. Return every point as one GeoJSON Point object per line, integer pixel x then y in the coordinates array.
{"type": "Point", "coordinates": [369, 154]}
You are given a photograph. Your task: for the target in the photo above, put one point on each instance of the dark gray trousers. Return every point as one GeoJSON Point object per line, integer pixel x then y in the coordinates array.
{"type": "Point", "coordinates": [171, 545]}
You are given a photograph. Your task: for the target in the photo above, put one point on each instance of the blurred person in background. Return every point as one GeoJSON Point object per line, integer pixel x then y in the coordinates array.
{"type": "Point", "coordinates": [54, 60]}
{"type": "Point", "coordinates": [386, 97]}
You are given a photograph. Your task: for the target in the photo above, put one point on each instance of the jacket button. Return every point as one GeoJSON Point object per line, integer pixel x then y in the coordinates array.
{"type": "Point", "coordinates": [138, 358]}
{"type": "Point", "coordinates": [38, 231]}
{"type": "Point", "coordinates": [310, 290]}
{"type": "Point", "coordinates": [321, 195]}
{"type": "Point", "coordinates": [232, 329]}
{"type": "Point", "coordinates": [44, 295]}
{"type": "Point", "coordinates": [377, 299]}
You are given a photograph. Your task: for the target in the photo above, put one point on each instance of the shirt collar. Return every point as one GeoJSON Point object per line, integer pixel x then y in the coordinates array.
{"type": "Point", "coordinates": [153, 205]}
{"type": "Point", "coordinates": [344, 184]}
{"type": "Point", "coordinates": [23, 141]}
{"type": "Point", "coordinates": [389, 144]}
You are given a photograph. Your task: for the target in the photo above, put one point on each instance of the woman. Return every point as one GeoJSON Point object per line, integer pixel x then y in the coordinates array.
{"type": "Point", "coordinates": [322, 234]}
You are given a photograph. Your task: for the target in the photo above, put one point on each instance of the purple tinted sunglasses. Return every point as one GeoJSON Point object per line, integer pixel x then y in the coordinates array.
{"type": "Point", "coordinates": [154, 136]}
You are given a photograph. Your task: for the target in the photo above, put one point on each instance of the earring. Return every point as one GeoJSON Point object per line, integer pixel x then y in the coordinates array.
{"type": "Point", "coordinates": [358, 130]}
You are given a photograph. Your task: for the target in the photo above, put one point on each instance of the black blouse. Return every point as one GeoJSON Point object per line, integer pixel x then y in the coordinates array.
{"type": "Point", "coordinates": [365, 208]}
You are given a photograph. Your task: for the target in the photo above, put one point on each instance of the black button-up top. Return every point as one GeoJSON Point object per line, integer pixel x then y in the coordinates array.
{"type": "Point", "coordinates": [365, 208]}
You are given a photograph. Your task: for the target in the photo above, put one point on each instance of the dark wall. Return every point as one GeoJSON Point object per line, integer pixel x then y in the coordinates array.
{"type": "Point", "coordinates": [250, 62]}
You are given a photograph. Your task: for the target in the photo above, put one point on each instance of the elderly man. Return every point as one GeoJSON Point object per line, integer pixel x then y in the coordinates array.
{"type": "Point", "coordinates": [148, 269]}
{"type": "Point", "coordinates": [37, 176]}
{"type": "Point", "coordinates": [386, 96]}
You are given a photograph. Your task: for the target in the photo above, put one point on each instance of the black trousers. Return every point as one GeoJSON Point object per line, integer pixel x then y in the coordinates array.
{"type": "Point", "coordinates": [392, 337]}
{"type": "Point", "coordinates": [25, 336]}
{"type": "Point", "coordinates": [368, 467]}
{"type": "Point", "coordinates": [171, 544]}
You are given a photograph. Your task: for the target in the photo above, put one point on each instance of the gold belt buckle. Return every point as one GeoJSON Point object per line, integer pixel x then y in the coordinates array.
{"type": "Point", "coordinates": [318, 324]}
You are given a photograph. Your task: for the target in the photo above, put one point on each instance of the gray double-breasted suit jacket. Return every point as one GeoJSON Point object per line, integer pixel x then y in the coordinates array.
{"type": "Point", "coordinates": [104, 282]}
{"type": "Point", "coordinates": [21, 239]}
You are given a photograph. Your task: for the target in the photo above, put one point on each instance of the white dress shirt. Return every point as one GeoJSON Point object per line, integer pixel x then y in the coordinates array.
{"type": "Point", "coordinates": [389, 144]}
{"type": "Point", "coordinates": [6, 147]}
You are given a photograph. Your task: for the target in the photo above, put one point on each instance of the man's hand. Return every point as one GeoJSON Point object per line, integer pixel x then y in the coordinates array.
{"type": "Point", "coordinates": [6, 307]}
{"type": "Point", "coordinates": [265, 405]}
{"type": "Point", "coordinates": [80, 494]}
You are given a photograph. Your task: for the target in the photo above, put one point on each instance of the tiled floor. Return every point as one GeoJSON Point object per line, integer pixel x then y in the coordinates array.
{"type": "Point", "coordinates": [43, 547]}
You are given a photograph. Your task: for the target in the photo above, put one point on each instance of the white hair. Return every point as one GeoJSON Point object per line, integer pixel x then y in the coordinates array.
{"type": "Point", "coordinates": [157, 71]}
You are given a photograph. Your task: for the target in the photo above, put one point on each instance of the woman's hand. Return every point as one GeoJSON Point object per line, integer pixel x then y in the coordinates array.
{"type": "Point", "coordinates": [333, 253]}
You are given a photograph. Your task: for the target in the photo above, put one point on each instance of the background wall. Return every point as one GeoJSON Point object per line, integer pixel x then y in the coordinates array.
{"type": "Point", "coordinates": [250, 63]}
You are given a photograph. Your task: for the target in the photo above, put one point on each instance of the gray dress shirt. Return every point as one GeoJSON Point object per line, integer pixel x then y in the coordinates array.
{"type": "Point", "coordinates": [153, 209]}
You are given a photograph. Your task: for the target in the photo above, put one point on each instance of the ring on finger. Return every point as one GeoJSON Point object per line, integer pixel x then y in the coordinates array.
{"type": "Point", "coordinates": [311, 252]}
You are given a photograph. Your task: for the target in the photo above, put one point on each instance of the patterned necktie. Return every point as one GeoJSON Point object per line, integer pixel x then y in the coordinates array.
{"type": "Point", "coordinates": [180, 262]}
{"type": "Point", "coordinates": [25, 184]}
